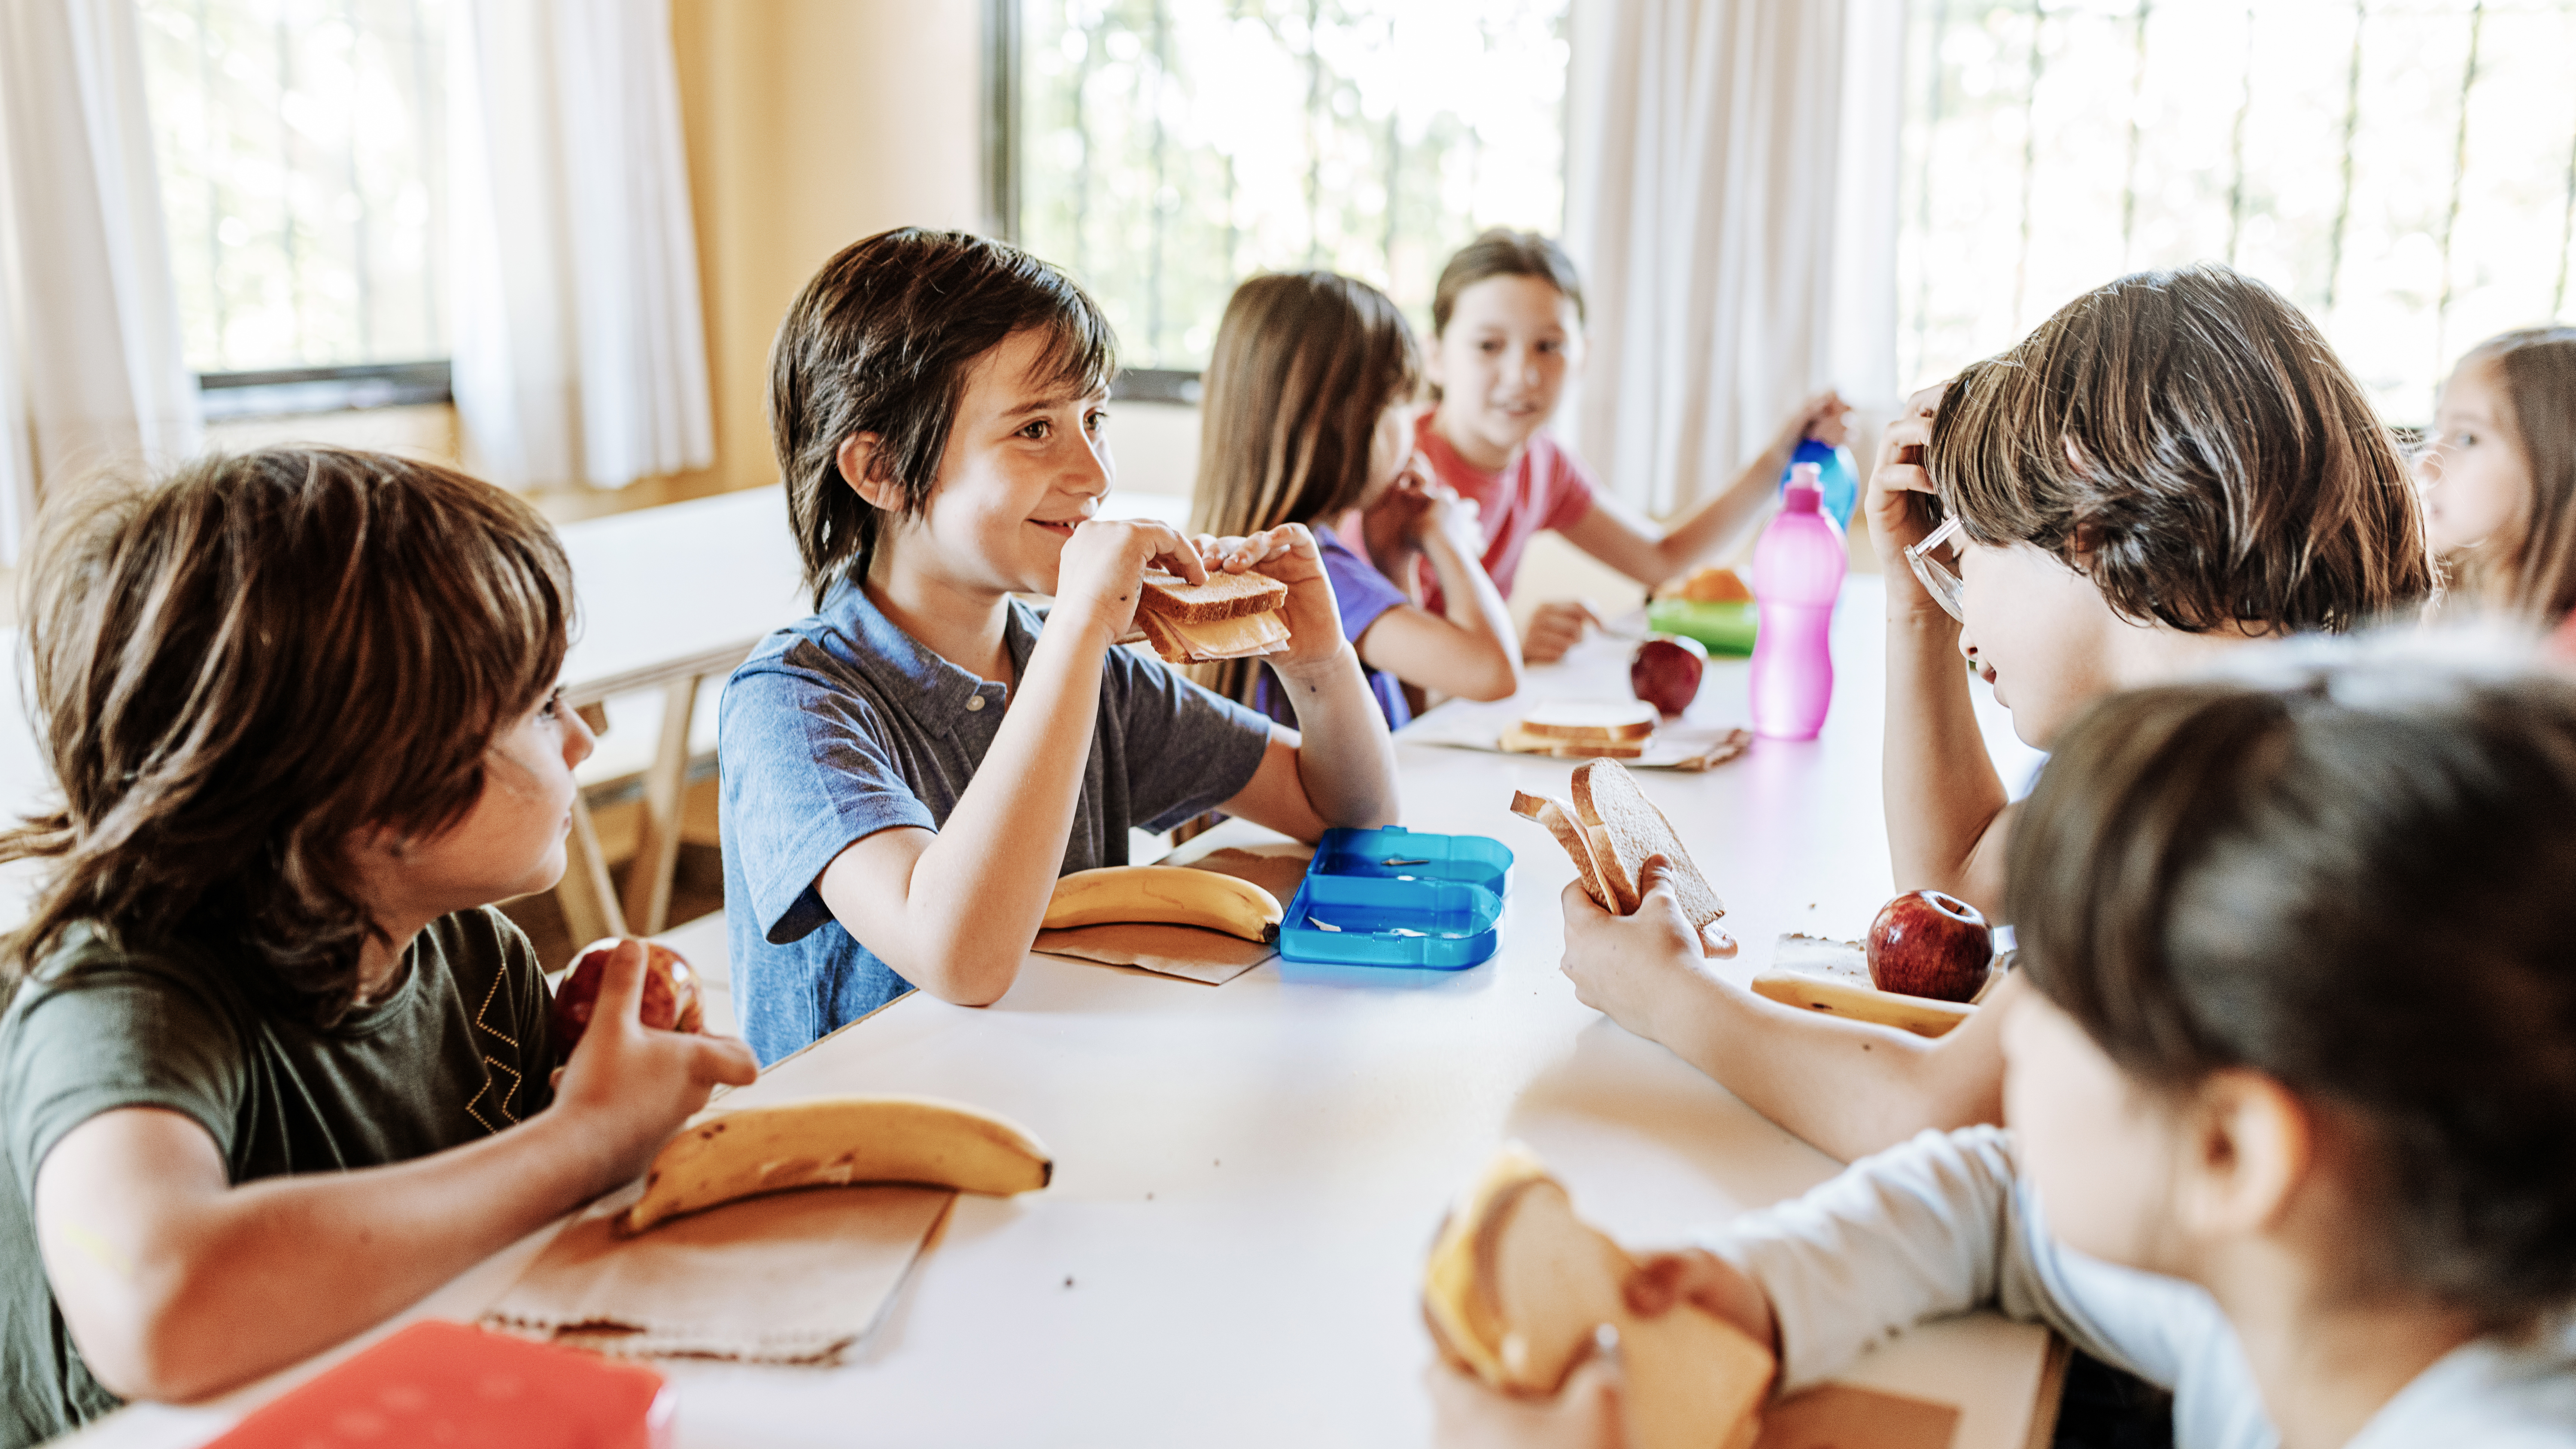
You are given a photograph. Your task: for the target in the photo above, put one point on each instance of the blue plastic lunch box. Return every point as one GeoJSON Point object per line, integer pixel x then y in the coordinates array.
{"type": "Point", "coordinates": [1393, 897]}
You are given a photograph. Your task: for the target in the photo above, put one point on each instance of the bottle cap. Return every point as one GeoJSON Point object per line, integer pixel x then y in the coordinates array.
{"type": "Point", "coordinates": [1802, 496]}
{"type": "Point", "coordinates": [1811, 475]}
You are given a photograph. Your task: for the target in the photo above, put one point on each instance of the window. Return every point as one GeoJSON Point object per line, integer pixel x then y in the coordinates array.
{"type": "Point", "coordinates": [1166, 149]}
{"type": "Point", "coordinates": [2406, 172]}
{"type": "Point", "coordinates": [301, 158]}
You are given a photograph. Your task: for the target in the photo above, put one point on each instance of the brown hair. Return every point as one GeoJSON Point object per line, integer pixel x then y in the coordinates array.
{"type": "Point", "coordinates": [880, 341]}
{"type": "Point", "coordinates": [2189, 442]}
{"type": "Point", "coordinates": [2343, 867]}
{"type": "Point", "coordinates": [2534, 574]}
{"type": "Point", "coordinates": [238, 666]}
{"type": "Point", "coordinates": [1304, 365]}
{"type": "Point", "coordinates": [1502, 252]}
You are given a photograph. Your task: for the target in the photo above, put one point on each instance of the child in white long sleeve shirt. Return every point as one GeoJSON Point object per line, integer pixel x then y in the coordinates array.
{"type": "Point", "coordinates": [2296, 1086]}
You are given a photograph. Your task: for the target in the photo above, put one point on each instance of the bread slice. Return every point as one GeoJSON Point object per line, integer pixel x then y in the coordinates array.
{"type": "Point", "coordinates": [1519, 741]}
{"type": "Point", "coordinates": [1559, 819]}
{"type": "Point", "coordinates": [1518, 1286]}
{"type": "Point", "coordinates": [1224, 596]}
{"type": "Point", "coordinates": [1588, 722]}
{"type": "Point", "coordinates": [1625, 828]}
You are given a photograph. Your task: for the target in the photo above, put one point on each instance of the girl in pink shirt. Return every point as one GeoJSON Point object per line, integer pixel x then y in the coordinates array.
{"type": "Point", "coordinates": [1507, 328]}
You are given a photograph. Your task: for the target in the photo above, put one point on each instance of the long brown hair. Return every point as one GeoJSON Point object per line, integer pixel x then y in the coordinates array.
{"type": "Point", "coordinates": [2534, 573]}
{"type": "Point", "coordinates": [237, 667]}
{"type": "Point", "coordinates": [1304, 365]}
{"type": "Point", "coordinates": [2191, 444]}
{"type": "Point", "coordinates": [2342, 864]}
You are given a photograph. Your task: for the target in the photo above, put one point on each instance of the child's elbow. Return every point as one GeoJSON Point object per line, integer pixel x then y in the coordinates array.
{"type": "Point", "coordinates": [1498, 678]}
{"type": "Point", "coordinates": [160, 1354]}
{"type": "Point", "coordinates": [973, 978]}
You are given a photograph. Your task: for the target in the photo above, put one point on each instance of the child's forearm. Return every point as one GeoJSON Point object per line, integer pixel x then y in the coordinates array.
{"type": "Point", "coordinates": [1944, 800]}
{"type": "Point", "coordinates": [1847, 1087]}
{"type": "Point", "coordinates": [1470, 601]}
{"type": "Point", "coordinates": [1722, 518]}
{"type": "Point", "coordinates": [1345, 759]}
{"type": "Point", "coordinates": [180, 1285]}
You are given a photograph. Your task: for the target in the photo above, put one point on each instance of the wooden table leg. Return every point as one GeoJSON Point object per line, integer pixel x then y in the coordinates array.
{"type": "Point", "coordinates": [588, 897]}
{"type": "Point", "coordinates": [657, 842]}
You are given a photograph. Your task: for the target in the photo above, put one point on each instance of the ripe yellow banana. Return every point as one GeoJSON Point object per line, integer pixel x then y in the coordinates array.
{"type": "Point", "coordinates": [837, 1142]}
{"type": "Point", "coordinates": [1167, 894]}
{"type": "Point", "coordinates": [1920, 1015]}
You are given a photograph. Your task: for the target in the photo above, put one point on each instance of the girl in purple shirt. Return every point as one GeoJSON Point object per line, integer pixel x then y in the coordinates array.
{"type": "Point", "coordinates": [1309, 418]}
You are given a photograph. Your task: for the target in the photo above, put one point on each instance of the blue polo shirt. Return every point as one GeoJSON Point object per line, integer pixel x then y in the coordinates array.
{"type": "Point", "coordinates": [843, 725]}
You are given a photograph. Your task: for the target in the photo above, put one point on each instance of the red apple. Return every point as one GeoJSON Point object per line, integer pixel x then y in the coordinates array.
{"type": "Point", "coordinates": [1925, 943]}
{"type": "Point", "coordinates": [670, 993]}
{"type": "Point", "coordinates": [1666, 670]}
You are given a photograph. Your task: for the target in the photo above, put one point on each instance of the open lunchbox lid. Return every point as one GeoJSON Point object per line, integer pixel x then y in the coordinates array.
{"type": "Point", "coordinates": [1396, 897]}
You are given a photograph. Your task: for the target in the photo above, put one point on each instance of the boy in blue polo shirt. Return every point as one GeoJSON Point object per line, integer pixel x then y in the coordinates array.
{"type": "Point", "coordinates": [907, 771]}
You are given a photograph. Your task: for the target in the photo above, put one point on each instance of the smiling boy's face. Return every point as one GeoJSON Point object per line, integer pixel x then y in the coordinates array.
{"type": "Point", "coordinates": [1025, 463]}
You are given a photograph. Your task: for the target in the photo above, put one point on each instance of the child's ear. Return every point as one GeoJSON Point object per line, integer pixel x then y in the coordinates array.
{"type": "Point", "coordinates": [864, 469]}
{"type": "Point", "coordinates": [2247, 1144]}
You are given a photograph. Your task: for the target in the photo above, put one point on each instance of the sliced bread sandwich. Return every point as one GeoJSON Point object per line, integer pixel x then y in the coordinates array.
{"type": "Point", "coordinates": [1231, 616]}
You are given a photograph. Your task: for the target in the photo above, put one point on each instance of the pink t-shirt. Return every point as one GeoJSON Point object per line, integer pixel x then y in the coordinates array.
{"type": "Point", "coordinates": [1545, 487]}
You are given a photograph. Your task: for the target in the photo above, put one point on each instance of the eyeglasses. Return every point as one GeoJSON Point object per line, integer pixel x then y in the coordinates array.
{"type": "Point", "coordinates": [1939, 579]}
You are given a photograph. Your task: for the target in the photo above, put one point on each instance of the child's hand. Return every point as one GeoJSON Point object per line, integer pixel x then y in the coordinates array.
{"type": "Point", "coordinates": [1555, 627]}
{"type": "Point", "coordinates": [1625, 967]}
{"type": "Point", "coordinates": [1585, 1414]}
{"type": "Point", "coordinates": [631, 1086]}
{"type": "Point", "coordinates": [1699, 1277]}
{"type": "Point", "coordinates": [1822, 417]}
{"type": "Point", "coordinates": [1097, 578]}
{"type": "Point", "coordinates": [1894, 524]}
{"type": "Point", "coordinates": [1431, 507]}
{"type": "Point", "coordinates": [1288, 553]}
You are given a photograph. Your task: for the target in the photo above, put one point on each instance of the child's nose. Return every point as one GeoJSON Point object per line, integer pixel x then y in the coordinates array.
{"type": "Point", "coordinates": [579, 741]}
{"type": "Point", "coordinates": [1091, 469]}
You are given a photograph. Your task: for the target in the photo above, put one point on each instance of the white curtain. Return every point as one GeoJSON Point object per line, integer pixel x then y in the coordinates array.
{"type": "Point", "coordinates": [1730, 197]}
{"type": "Point", "coordinates": [91, 367]}
{"type": "Point", "coordinates": [580, 350]}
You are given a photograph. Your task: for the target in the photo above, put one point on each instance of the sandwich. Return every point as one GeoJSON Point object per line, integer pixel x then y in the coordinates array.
{"type": "Point", "coordinates": [1231, 616]}
{"type": "Point", "coordinates": [1518, 1286]}
{"type": "Point", "coordinates": [1610, 828]}
{"type": "Point", "coordinates": [1584, 731]}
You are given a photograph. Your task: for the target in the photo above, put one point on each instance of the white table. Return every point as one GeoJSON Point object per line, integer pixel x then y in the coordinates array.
{"type": "Point", "coordinates": [1248, 1175]}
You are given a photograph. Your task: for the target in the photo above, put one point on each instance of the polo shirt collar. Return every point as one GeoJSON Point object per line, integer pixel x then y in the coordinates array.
{"type": "Point", "coordinates": [903, 665]}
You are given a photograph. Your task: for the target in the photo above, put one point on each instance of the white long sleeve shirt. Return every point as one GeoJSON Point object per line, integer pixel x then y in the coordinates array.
{"type": "Point", "coordinates": [1944, 1224]}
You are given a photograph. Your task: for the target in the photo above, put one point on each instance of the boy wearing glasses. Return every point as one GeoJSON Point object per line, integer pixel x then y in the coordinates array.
{"type": "Point", "coordinates": [2173, 464]}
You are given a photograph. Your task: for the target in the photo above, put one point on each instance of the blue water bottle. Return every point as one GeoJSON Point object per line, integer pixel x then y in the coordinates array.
{"type": "Point", "coordinates": [1834, 474]}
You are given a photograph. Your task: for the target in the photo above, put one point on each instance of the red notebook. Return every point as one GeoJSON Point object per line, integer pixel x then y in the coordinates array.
{"type": "Point", "coordinates": [446, 1384]}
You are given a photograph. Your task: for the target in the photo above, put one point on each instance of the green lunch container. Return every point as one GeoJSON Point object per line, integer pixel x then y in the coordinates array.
{"type": "Point", "coordinates": [1723, 628]}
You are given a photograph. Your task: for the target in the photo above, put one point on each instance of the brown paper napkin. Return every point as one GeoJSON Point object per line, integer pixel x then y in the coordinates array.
{"type": "Point", "coordinates": [1841, 1416]}
{"type": "Point", "coordinates": [792, 1278]}
{"type": "Point", "coordinates": [1186, 951]}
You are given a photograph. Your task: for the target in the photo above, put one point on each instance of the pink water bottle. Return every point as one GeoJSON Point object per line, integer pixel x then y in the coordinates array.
{"type": "Point", "coordinates": [1797, 571]}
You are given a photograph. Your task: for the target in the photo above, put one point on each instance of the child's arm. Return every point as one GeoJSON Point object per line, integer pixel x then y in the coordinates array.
{"type": "Point", "coordinates": [1338, 766]}
{"type": "Point", "coordinates": [1473, 651]}
{"type": "Point", "coordinates": [1650, 555]}
{"type": "Point", "coordinates": [953, 911]}
{"type": "Point", "coordinates": [1947, 811]}
{"type": "Point", "coordinates": [177, 1284]}
{"type": "Point", "coordinates": [1848, 1087]}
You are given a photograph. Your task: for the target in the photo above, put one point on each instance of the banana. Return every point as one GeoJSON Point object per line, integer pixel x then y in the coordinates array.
{"type": "Point", "coordinates": [837, 1142]}
{"type": "Point", "coordinates": [1920, 1015]}
{"type": "Point", "coordinates": [1167, 894]}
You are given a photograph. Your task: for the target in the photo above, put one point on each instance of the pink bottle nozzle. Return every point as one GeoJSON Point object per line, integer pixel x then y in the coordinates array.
{"type": "Point", "coordinates": [1803, 497]}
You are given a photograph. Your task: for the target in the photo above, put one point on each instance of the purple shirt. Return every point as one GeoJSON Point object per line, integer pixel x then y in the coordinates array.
{"type": "Point", "coordinates": [1361, 593]}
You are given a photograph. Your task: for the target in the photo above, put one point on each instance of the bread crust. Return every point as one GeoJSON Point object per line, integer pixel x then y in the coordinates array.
{"type": "Point", "coordinates": [1559, 819]}
{"type": "Point", "coordinates": [1630, 828]}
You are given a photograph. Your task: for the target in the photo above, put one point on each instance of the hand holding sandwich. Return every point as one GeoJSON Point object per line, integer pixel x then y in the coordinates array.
{"type": "Point", "coordinates": [1288, 554]}
{"type": "Point", "coordinates": [1637, 968]}
{"type": "Point", "coordinates": [1104, 561]}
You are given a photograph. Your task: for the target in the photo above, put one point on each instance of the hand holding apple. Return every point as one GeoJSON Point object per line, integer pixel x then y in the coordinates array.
{"type": "Point", "coordinates": [670, 1001]}
{"type": "Point", "coordinates": [1927, 943]}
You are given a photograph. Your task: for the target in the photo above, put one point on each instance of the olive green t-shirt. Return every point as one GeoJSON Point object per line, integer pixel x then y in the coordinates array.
{"type": "Point", "coordinates": [458, 1051]}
